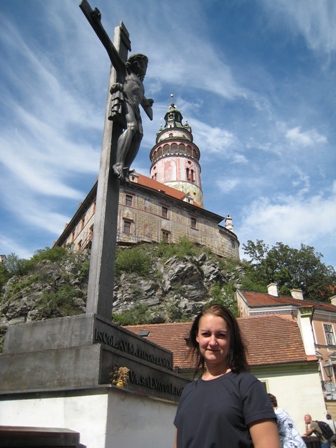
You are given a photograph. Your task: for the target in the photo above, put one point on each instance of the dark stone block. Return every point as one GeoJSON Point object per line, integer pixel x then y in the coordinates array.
{"type": "Point", "coordinates": [82, 351]}
{"type": "Point", "coordinates": [22, 436]}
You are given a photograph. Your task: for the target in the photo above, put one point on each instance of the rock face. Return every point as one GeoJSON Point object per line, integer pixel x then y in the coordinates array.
{"type": "Point", "coordinates": [173, 290]}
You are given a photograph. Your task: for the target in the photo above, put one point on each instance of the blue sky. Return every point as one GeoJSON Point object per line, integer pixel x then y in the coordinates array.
{"type": "Point", "coordinates": [254, 78]}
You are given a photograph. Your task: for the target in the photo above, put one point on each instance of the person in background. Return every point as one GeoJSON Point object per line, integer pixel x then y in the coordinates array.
{"type": "Point", "coordinates": [226, 406]}
{"type": "Point", "coordinates": [313, 427]}
{"type": "Point", "coordinates": [331, 423]}
{"type": "Point", "coordinates": [289, 435]}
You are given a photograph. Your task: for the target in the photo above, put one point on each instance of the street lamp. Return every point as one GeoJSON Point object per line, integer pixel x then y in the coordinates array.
{"type": "Point", "coordinates": [328, 370]}
{"type": "Point", "coordinates": [329, 386]}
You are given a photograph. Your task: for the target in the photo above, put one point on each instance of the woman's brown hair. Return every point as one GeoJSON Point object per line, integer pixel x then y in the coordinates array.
{"type": "Point", "coordinates": [237, 360]}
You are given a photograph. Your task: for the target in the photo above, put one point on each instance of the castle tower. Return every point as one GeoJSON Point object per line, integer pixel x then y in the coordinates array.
{"type": "Point", "coordinates": [175, 158]}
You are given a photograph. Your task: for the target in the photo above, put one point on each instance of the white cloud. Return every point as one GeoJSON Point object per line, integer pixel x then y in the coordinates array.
{"type": "Point", "coordinates": [227, 185]}
{"type": "Point", "coordinates": [302, 181]}
{"type": "Point", "coordinates": [291, 219]}
{"type": "Point", "coordinates": [12, 246]}
{"type": "Point", "coordinates": [296, 137]}
{"type": "Point", "coordinates": [214, 139]}
{"type": "Point", "coordinates": [315, 20]}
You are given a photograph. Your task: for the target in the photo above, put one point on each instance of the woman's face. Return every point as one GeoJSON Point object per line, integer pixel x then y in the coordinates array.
{"type": "Point", "coordinates": [213, 338]}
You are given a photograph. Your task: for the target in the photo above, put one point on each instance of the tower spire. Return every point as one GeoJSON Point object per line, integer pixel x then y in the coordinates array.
{"type": "Point", "coordinates": [175, 157]}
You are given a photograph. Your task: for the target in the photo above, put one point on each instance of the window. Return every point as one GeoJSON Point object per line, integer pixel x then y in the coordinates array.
{"type": "Point", "coordinates": [83, 223]}
{"type": "Point", "coordinates": [165, 236]}
{"type": "Point", "coordinates": [129, 200]}
{"type": "Point", "coordinates": [193, 222]}
{"type": "Point", "coordinates": [164, 212]}
{"type": "Point", "coordinates": [329, 334]}
{"type": "Point", "coordinates": [127, 227]}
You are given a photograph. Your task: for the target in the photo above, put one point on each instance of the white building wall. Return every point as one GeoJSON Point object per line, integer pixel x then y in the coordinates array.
{"type": "Point", "coordinates": [105, 418]}
{"type": "Point", "coordinates": [299, 393]}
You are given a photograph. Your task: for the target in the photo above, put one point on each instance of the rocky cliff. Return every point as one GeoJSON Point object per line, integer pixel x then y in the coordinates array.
{"type": "Point", "coordinates": [151, 286]}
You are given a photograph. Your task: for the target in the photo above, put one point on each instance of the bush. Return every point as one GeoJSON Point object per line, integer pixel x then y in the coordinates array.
{"type": "Point", "coordinates": [4, 275]}
{"type": "Point", "coordinates": [224, 295]}
{"type": "Point", "coordinates": [59, 303]}
{"type": "Point", "coordinates": [54, 254]}
{"type": "Point", "coordinates": [14, 265]}
{"type": "Point", "coordinates": [135, 316]}
{"type": "Point", "coordinates": [133, 260]}
{"type": "Point", "coordinates": [84, 271]}
{"type": "Point", "coordinates": [181, 249]}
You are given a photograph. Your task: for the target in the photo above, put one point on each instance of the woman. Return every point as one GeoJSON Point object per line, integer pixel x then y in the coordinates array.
{"type": "Point", "coordinates": [289, 435]}
{"type": "Point", "coordinates": [226, 407]}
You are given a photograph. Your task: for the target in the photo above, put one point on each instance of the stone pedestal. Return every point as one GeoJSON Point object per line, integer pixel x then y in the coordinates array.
{"type": "Point", "coordinates": [104, 417]}
{"type": "Point", "coordinates": [82, 351]}
{"type": "Point", "coordinates": [56, 373]}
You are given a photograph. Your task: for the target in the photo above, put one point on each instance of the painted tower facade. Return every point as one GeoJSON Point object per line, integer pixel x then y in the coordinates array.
{"type": "Point", "coordinates": [175, 157]}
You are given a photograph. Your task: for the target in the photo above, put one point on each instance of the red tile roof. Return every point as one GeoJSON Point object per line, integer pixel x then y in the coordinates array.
{"type": "Point", "coordinates": [171, 336]}
{"type": "Point", "coordinates": [158, 186]}
{"type": "Point", "coordinates": [259, 299]}
{"type": "Point", "coordinates": [272, 340]}
{"type": "Point", "coordinates": [261, 333]}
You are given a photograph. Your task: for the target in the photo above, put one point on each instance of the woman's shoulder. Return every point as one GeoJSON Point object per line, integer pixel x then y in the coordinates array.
{"type": "Point", "coordinates": [246, 382]}
{"type": "Point", "coordinates": [244, 377]}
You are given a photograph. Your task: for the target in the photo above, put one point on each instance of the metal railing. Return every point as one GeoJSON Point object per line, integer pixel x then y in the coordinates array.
{"type": "Point", "coordinates": [312, 442]}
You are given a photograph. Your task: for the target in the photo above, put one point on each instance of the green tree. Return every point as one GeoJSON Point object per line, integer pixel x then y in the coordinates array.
{"type": "Point", "coordinates": [15, 265]}
{"type": "Point", "coordinates": [290, 268]}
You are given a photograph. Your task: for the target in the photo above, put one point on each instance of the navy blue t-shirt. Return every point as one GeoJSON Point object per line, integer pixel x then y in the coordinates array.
{"type": "Point", "coordinates": [216, 413]}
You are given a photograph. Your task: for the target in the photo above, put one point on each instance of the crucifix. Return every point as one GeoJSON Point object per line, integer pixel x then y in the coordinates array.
{"type": "Point", "coordinates": [121, 141]}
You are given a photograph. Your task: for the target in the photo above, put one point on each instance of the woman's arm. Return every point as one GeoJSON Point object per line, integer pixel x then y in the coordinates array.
{"type": "Point", "coordinates": [265, 434]}
{"type": "Point", "coordinates": [175, 442]}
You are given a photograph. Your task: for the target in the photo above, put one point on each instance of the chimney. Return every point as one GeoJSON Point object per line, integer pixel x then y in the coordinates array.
{"type": "Point", "coordinates": [333, 300]}
{"type": "Point", "coordinates": [297, 294]}
{"type": "Point", "coordinates": [273, 289]}
{"type": "Point", "coordinates": [228, 223]}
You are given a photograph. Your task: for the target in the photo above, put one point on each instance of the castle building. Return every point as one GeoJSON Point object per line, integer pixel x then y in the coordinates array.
{"type": "Point", "coordinates": [166, 206]}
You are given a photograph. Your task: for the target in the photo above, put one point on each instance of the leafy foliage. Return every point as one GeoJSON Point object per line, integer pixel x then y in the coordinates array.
{"type": "Point", "coordinates": [19, 266]}
{"type": "Point", "coordinates": [224, 295]}
{"type": "Point", "coordinates": [137, 315]}
{"type": "Point", "coordinates": [14, 265]}
{"type": "Point", "coordinates": [59, 302]}
{"type": "Point", "coordinates": [84, 271]}
{"type": "Point", "coordinates": [132, 260]}
{"type": "Point", "coordinates": [181, 249]}
{"type": "Point", "coordinates": [289, 268]}
{"type": "Point", "coordinates": [4, 275]}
